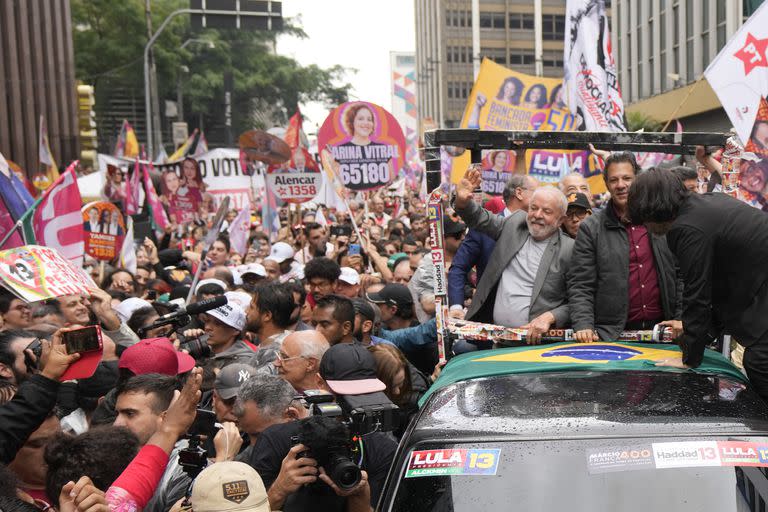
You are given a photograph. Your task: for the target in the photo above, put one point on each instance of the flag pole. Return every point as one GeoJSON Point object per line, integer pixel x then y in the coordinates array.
{"type": "Point", "coordinates": [9, 234]}
{"type": "Point", "coordinates": [685, 100]}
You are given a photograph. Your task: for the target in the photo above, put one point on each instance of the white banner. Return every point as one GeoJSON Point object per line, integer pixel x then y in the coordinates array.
{"type": "Point", "coordinates": [739, 73]}
{"type": "Point", "coordinates": [590, 81]}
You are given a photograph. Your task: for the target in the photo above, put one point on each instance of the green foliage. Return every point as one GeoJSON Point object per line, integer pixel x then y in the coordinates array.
{"type": "Point", "coordinates": [638, 120]}
{"type": "Point", "coordinates": [109, 39]}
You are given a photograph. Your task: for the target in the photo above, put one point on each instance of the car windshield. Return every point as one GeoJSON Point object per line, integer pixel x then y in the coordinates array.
{"type": "Point", "coordinates": [680, 474]}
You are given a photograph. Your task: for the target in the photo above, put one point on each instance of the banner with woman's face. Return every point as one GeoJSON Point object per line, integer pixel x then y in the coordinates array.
{"type": "Point", "coordinates": [363, 144]}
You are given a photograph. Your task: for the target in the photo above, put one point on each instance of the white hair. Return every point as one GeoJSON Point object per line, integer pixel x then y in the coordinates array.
{"type": "Point", "coordinates": [312, 347]}
{"type": "Point", "coordinates": [570, 175]}
{"type": "Point", "coordinates": [559, 196]}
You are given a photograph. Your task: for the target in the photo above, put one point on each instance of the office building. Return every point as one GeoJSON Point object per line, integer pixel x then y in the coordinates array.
{"type": "Point", "coordinates": [662, 48]}
{"type": "Point", "coordinates": [444, 48]}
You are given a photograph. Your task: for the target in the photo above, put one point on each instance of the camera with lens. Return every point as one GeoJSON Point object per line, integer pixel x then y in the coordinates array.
{"type": "Point", "coordinates": [333, 433]}
{"type": "Point", "coordinates": [194, 458]}
{"type": "Point", "coordinates": [197, 347]}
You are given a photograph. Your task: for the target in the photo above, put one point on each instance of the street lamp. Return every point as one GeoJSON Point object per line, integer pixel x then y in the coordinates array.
{"type": "Point", "coordinates": [211, 45]}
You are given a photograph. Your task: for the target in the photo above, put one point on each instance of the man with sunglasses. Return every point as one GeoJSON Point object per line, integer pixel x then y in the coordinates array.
{"type": "Point", "coordinates": [578, 210]}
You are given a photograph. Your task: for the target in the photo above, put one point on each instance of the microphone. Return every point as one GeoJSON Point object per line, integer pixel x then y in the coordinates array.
{"type": "Point", "coordinates": [194, 308]}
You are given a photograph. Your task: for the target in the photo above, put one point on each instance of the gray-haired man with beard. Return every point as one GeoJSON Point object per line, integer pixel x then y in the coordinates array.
{"type": "Point", "coordinates": [524, 283]}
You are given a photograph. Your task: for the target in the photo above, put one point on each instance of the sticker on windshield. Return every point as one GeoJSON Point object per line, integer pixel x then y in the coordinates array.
{"type": "Point", "coordinates": [453, 462]}
{"type": "Point", "coordinates": [684, 454]}
{"type": "Point", "coordinates": [623, 458]}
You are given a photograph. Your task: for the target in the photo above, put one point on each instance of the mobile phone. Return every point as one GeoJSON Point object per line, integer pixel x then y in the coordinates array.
{"type": "Point", "coordinates": [354, 249]}
{"type": "Point", "coordinates": [85, 339]}
{"type": "Point", "coordinates": [204, 424]}
{"type": "Point", "coordinates": [341, 230]}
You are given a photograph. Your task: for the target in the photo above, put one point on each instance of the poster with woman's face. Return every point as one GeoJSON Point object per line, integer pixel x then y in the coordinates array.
{"type": "Point", "coordinates": [104, 229]}
{"type": "Point", "coordinates": [362, 144]}
{"type": "Point", "coordinates": [183, 201]}
{"type": "Point", "coordinates": [498, 167]}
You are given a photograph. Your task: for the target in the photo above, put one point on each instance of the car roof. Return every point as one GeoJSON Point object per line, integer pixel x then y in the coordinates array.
{"type": "Point", "coordinates": [576, 404]}
{"type": "Point", "coordinates": [579, 357]}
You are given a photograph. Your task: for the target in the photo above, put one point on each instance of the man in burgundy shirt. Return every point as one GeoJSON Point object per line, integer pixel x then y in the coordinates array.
{"type": "Point", "coordinates": [622, 277]}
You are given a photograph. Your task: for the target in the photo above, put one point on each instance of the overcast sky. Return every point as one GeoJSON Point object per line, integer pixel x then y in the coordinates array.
{"type": "Point", "coordinates": [355, 34]}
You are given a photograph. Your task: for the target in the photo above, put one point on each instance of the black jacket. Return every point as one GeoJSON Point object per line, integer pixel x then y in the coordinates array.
{"type": "Point", "coordinates": [598, 279]}
{"type": "Point", "coordinates": [32, 403]}
{"type": "Point", "coordinates": [722, 247]}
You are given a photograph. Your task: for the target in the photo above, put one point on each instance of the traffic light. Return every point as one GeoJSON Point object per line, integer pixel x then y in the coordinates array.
{"type": "Point", "coordinates": [86, 121]}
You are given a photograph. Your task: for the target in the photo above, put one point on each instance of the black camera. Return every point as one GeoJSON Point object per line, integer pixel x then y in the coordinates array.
{"type": "Point", "coordinates": [333, 433]}
{"type": "Point", "coordinates": [330, 443]}
{"type": "Point", "coordinates": [194, 458]}
{"type": "Point", "coordinates": [197, 347]}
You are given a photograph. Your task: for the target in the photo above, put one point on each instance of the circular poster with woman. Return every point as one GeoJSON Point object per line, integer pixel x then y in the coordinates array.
{"type": "Point", "coordinates": [498, 167]}
{"type": "Point", "coordinates": [363, 144]}
{"type": "Point", "coordinates": [104, 230]}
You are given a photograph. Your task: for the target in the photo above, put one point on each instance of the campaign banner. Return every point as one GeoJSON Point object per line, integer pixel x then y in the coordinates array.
{"type": "Point", "coordinates": [364, 145]}
{"type": "Point", "coordinates": [503, 99]}
{"type": "Point", "coordinates": [591, 78]}
{"type": "Point", "coordinates": [454, 462]}
{"type": "Point", "coordinates": [298, 180]}
{"type": "Point", "coordinates": [549, 166]}
{"type": "Point", "coordinates": [497, 168]}
{"type": "Point", "coordinates": [103, 229]}
{"type": "Point", "coordinates": [35, 273]}
{"type": "Point", "coordinates": [219, 170]}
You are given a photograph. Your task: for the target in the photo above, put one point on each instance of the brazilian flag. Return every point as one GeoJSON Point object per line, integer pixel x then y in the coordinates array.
{"type": "Point", "coordinates": [578, 357]}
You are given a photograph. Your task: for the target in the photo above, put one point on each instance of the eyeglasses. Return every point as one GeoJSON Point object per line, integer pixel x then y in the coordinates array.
{"type": "Point", "coordinates": [283, 358]}
{"type": "Point", "coordinates": [578, 214]}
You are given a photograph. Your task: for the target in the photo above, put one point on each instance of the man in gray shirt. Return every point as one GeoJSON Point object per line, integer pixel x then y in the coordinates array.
{"type": "Point", "coordinates": [524, 283]}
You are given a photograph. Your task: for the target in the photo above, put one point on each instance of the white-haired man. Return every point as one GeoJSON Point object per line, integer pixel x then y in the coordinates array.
{"type": "Point", "coordinates": [575, 183]}
{"type": "Point", "coordinates": [298, 360]}
{"type": "Point", "coordinates": [524, 283]}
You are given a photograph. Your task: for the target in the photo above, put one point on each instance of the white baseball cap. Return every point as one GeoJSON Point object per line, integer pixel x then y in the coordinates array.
{"type": "Point", "coordinates": [349, 276]}
{"type": "Point", "coordinates": [130, 305]}
{"type": "Point", "coordinates": [242, 299]}
{"type": "Point", "coordinates": [252, 268]}
{"type": "Point", "coordinates": [204, 282]}
{"type": "Point", "coordinates": [230, 314]}
{"type": "Point", "coordinates": [281, 251]}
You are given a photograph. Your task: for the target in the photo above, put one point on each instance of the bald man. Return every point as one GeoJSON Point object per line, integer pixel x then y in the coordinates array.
{"type": "Point", "coordinates": [298, 360]}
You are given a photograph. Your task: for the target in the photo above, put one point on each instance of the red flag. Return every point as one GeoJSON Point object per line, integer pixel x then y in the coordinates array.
{"type": "Point", "coordinates": [293, 132]}
{"type": "Point", "coordinates": [57, 221]}
{"type": "Point", "coordinates": [132, 186]}
{"type": "Point", "coordinates": [7, 224]}
{"type": "Point", "coordinates": [159, 217]}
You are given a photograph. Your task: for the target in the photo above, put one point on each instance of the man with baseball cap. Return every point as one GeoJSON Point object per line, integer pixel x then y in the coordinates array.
{"type": "Point", "coordinates": [282, 254]}
{"type": "Point", "coordinates": [348, 284]}
{"type": "Point", "coordinates": [252, 274]}
{"type": "Point", "coordinates": [229, 486]}
{"type": "Point", "coordinates": [396, 305]}
{"type": "Point", "coordinates": [225, 388]}
{"type": "Point", "coordinates": [578, 210]}
{"type": "Point", "coordinates": [346, 369]}
{"type": "Point", "coordinates": [224, 326]}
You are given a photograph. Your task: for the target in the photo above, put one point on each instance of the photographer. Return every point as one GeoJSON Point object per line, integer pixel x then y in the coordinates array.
{"type": "Point", "coordinates": [298, 483]}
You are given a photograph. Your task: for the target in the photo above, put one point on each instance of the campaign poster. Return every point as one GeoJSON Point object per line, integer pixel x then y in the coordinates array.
{"type": "Point", "coordinates": [502, 99]}
{"type": "Point", "coordinates": [103, 230]}
{"type": "Point", "coordinates": [498, 166]}
{"type": "Point", "coordinates": [35, 273]}
{"type": "Point", "coordinates": [296, 181]}
{"type": "Point", "coordinates": [179, 195]}
{"type": "Point", "coordinates": [549, 167]}
{"type": "Point", "coordinates": [364, 145]}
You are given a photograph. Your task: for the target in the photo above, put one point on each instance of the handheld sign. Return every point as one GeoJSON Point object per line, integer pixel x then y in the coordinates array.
{"type": "Point", "coordinates": [363, 144]}
{"type": "Point", "coordinates": [103, 230]}
{"type": "Point", "coordinates": [296, 181]}
{"type": "Point", "coordinates": [264, 147]}
{"type": "Point", "coordinates": [35, 273]}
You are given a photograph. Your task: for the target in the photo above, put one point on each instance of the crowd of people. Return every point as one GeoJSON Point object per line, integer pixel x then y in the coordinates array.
{"type": "Point", "coordinates": [322, 307]}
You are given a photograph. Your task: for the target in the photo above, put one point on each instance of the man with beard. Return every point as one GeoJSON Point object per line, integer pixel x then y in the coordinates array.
{"type": "Point", "coordinates": [524, 282]}
{"type": "Point", "coordinates": [268, 316]}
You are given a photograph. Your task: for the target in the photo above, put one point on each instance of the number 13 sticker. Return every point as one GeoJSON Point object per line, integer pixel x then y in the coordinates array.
{"type": "Point", "coordinates": [482, 462]}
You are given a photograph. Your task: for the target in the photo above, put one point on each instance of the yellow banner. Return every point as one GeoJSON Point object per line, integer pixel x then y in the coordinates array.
{"type": "Point", "coordinates": [502, 99]}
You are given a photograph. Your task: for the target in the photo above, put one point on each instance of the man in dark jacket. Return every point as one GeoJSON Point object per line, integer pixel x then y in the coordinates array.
{"type": "Point", "coordinates": [34, 400]}
{"type": "Point", "coordinates": [621, 277]}
{"type": "Point", "coordinates": [721, 245]}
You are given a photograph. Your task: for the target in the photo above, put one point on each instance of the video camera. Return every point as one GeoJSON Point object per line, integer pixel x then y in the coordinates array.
{"type": "Point", "coordinates": [194, 458]}
{"type": "Point", "coordinates": [333, 433]}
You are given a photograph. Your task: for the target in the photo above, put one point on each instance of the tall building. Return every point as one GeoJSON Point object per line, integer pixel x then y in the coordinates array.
{"type": "Point", "coordinates": [444, 48]}
{"type": "Point", "coordinates": [37, 78]}
{"type": "Point", "coordinates": [662, 48]}
{"type": "Point", "coordinates": [403, 69]}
